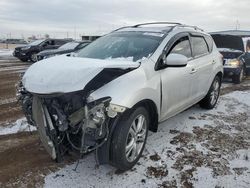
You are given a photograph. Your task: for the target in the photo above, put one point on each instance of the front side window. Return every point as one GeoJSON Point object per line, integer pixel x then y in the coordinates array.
{"type": "Point", "coordinates": [199, 46]}
{"type": "Point", "coordinates": [182, 46]}
{"type": "Point", "coordinates": [130, 45]}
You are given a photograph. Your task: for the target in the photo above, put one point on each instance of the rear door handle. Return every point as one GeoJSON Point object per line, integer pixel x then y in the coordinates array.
{"type": "Point", "coordinates": [193, 71]}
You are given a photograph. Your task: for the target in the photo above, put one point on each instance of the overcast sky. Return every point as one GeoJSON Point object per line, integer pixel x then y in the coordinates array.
{"type": "Point", "coordinates": [61, 18]}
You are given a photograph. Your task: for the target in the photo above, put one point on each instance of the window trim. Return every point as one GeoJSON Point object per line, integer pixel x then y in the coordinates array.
{"type": "Point", "coordinates": [169, 45]}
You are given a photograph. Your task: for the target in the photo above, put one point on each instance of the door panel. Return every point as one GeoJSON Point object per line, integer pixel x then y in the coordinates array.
{"type": "Point", "coordinates": [177, 84]}
{"type": "Point", "coordinates": [203, 65]}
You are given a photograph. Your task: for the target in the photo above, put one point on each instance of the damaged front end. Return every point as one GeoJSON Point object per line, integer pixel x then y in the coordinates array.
{"type": "Point", "coordinates": [69, 122]}
{"type": "Point", "coordinates": [72, 121]}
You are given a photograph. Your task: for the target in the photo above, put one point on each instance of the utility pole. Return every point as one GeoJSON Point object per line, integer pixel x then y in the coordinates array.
{"type": "Point", "coordinates": [237, 25]}
{"type": "Point", "coordinates": [75, 32]}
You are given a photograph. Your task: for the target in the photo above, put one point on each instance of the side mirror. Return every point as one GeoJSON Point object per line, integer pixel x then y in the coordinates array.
{"type": "Point", "coordinates": [176, 60]}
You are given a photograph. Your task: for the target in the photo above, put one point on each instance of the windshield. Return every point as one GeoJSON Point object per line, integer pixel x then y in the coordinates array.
{"type": "Point", "coordinates": [36, 42]}
{"type": "Point", "coordinates": [131, 46]}
{"type": "Point", "coordinates": [69, 45]}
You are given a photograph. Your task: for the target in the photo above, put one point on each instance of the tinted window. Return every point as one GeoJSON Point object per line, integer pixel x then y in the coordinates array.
{"type": "Point", "coordinates": [199, 46]}
{"type": "Point", "coordinates": [182, 46]}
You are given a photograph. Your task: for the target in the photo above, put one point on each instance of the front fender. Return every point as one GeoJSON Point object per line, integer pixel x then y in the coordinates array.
{"type": "Point", "coordinates": [131, 88]}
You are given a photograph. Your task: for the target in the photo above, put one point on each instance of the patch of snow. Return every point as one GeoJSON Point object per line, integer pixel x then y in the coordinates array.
{"type": "Point", "coordinates": [6, 52]}
{"type": "Point", "coordinates": [121, 59]}
{"type": "Point", "coordinates": [20, 125]}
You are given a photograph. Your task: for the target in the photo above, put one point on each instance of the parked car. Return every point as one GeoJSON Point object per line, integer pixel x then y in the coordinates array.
{"type": "Point", "coordinates": [69, 47]}
{"type": "Point", "coordinates": [118, 87]}
{"type": "Point", "coordinates": [232, 47]}
{"type": "Point", "coordinates": [29, 51]}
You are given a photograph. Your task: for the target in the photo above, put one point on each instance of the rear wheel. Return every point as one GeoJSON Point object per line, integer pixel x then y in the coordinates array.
{"type": "Point", "coordinates": [212, 96]}
{"type": "Point", "coordinates": [129, 139]}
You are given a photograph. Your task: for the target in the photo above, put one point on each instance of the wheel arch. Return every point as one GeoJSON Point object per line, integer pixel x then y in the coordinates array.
{"type": "Point", "coordinates": [220, 74]}
{"type": "Point", "coordinates": [152, 112]}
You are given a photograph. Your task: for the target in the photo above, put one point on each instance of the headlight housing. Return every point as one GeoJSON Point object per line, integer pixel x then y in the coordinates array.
{"type": "Point", "coordinates": [233, 63]}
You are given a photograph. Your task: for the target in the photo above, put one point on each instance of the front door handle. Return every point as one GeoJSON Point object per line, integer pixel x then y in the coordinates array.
{"type": "Point", "coordinates": [193, 71]}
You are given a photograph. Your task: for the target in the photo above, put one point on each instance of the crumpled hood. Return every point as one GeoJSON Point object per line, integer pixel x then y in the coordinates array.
{"type": "Point", "coordinates": [62, 74]}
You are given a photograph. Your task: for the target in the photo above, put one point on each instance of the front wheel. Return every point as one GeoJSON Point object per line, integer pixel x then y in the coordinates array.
{"type": "Point", "coordinates": [237, 79]}
{"type": "Point", "coordinates": [212, 96]}
{"type": "Point", "coordinates": [129, 139]}
{"type": "Point", "coordinates": [24, 59]}
{"type": "Point", "coordinates": [33, 57]}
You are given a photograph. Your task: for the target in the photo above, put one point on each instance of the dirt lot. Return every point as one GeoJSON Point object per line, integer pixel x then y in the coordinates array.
{"type": "Point", "coordinates": [24, 162]}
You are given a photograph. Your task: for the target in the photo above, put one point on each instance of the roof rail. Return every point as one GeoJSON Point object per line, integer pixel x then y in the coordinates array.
{"type": "Point", "coordinates": [175, 25]}
{"type": "Point", "coordinates": [155, 23]}
{"type": "Point", "coordinates": [188, 26]}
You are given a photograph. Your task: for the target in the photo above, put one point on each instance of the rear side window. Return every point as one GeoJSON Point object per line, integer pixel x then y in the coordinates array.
{"type": "Point", "coordinates": [182, 46]}
{"type": "Point", "coordinates": [199, 46]}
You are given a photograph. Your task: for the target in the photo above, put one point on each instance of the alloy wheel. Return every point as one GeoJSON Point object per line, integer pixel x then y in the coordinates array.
{"type": "Point", "coordinates": [136, 138]}
{"type": "Point", "coordinates": [215, 92]}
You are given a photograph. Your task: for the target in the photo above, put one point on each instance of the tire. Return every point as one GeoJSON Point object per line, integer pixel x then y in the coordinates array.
{"type": "Point", "coordinates": [125, 136]}
{"type": "Point", "coordinates": [32, 57]}
{"type": "Point", "coordinates": [237, 79]}
{"type": "Point", "coordinates": [24, 59]}
{"type": "Point", "coordinates": [210, 100]}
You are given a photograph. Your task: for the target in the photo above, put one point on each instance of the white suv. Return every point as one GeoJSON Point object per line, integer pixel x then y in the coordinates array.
{"type": "Point", "coordinates": [120, 86]}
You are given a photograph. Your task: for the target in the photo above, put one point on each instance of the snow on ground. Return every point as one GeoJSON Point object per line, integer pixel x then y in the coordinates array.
{"type": "Point", "coordinates": [6, 52]}
{"type": "Point", "coordinates": [200, 148]}
{"type": "Point", "coordinates": [20, 125]}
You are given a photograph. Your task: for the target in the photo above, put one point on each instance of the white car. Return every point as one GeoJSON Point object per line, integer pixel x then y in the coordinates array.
{"type": "Point", "coordinates": [120, 86]}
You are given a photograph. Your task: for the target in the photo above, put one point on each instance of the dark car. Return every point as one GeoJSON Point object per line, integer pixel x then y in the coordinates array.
{"type": "Point", "coordinates": [246, 56]}
{"type": "Point", "coordinates": [29, 51]}
{"type": "Point", "coordinates": [232, 48]}
{"type": "Point", "coordinates": [64, 49]}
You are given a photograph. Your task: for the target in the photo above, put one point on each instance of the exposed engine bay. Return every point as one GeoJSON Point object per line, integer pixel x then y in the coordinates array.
{"type": "Point", "coordinates": [72, 121]}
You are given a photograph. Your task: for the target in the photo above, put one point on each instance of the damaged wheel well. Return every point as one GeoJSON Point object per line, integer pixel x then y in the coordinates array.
{"type": "Point", "coordinates": [152, 112]}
